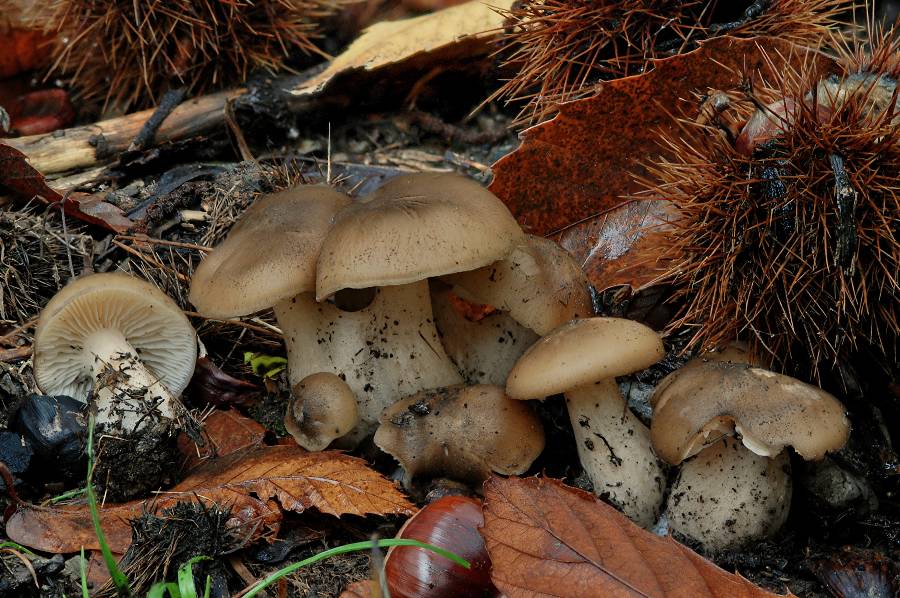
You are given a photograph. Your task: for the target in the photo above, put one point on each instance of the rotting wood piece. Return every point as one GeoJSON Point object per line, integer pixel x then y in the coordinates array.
{"type": "Point", "coordinates": [88, 145]}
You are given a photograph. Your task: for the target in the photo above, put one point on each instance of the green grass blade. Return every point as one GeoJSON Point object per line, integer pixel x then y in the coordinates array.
{"type": "Point", "coordinates": [186, 585]}
{"type": "Point", "coordinates": [120, 581]}
{"type": "Point", "coordinates": [355, 547]}
{"type": "Point", "coordinates": [84, 589]}
{"type": "Point", "coordinates": [13, 545]}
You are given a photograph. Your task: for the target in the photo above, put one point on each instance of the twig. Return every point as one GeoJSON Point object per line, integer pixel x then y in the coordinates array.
{"type": "Point", "coordinates": [182, 245]}
{"type": "Point", "coordinates": [239, 323]}
{"type": "Point", "coordinates": [9, 336]}
{"type": "Point", "coordinates": [150, 260]}
{"type": "Point", "coordinates": [170, 100]}
{"type": "Point", "coordinates": [15, 354]}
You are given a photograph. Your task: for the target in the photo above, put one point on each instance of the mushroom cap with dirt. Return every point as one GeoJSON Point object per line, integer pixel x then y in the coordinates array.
{"type": "Point", "coordinates": [696, 405]}
{"type": "Point", "coordinates": [539, 284]}
{"type": "Point", "coordinates": [122, 339]}
{"type": "Point", "coordinates": [461, 432]}
{"type": "Point", "coordinates": [269, 255]}
{"type": "Point", "coordinates": [582, 359]}
{"type": "Point", "coordinates": [414, 227]}
{"type": "Point", "coordinates": [323, 408]}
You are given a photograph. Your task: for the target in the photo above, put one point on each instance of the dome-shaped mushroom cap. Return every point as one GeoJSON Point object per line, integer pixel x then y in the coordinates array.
{"type": "Point", "coordinates": [582, 352]}
{"type": "Point", "coordinates": [324, 408]}
{"type": "Point", "coordinates": [269, 255]}
{"type": "Point", "coordinates": [770, 411]}
{"type": "Point", "coordinates": [145, 316]}
{"type": "Point", "coordinates": [414, 227]}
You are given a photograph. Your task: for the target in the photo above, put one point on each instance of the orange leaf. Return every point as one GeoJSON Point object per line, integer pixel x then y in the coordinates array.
{"type": "Point", "coordinates": [571, 178]}
{"type": "Point", "coordinates": [545, 538]}
{"type": "Point", "coordinates": [332, 482]}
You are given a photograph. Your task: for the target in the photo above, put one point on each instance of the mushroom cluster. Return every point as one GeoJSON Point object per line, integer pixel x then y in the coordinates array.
{"type": "Point", "coordinates": [365, 293]}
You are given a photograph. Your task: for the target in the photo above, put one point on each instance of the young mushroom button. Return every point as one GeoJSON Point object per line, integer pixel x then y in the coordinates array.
{"type": "Point", "coordinates": [121, 338]}
{"type": "Point", "coordinates": [582, 359]}
{"type": "Point", "coordinates": [323, 408]}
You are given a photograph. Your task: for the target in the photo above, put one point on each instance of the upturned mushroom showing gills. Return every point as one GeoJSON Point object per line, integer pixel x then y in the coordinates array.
{"type": "Point", "coordinates": [121, 340]}
{"type": "Point", "coordinates": [461, 432]}
{"type": "Point", "coordinates": [582, 359]}
{"type": "Point", "coordinates": [734, 491]}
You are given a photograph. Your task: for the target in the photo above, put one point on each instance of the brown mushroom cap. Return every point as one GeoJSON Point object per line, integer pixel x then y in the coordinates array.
{"type": "Point", "coordinates": [770, 411]}
{"type": "Point", "coordinates": [582, 352]}
{"type": "Point", "coordinates": [539, 284]}
{"type": "Point", "coordinates": [116, 307]}
{"type": "Point", "coordinates": [269, 255]}
{"type": "Point", "coordinates": [323, 408]}
{"type": "Point", "coordinates": [462, 432]}
{"type": "Point", "coordinates": [414, 227]}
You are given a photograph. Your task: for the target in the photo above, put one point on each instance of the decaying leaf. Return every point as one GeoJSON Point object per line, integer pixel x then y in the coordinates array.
{"type": "Point", "coordinates": [412, 46]}
{"type": "Point", "coordinates": [571, 178]}
{"type": "Point", "coordinates": [225, 432]}
{"type": "Point", "coordinates": [17, 175]}
{"type": "Point", "coordinates": [548, 539]}
{"type": "Point", "coordinates": [331, 482]}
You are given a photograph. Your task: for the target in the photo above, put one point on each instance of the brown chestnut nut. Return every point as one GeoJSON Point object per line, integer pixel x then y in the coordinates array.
{"type": "Point", "coordinates": [451, 523]}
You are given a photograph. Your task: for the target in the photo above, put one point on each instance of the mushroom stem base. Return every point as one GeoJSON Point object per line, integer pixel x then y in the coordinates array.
{"type": "Point", "coordinates": [127, 396]}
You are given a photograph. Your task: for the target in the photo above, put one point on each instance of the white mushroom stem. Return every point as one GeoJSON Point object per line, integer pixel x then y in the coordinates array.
{"type": "Point", "coordinates": [385, 351]}
{"type": "Point", "coordinates": [614, 448]}
{"type": "Point", "coordinates": [727, 496]}
{"type": "Point", "coordinates": [128, 396]}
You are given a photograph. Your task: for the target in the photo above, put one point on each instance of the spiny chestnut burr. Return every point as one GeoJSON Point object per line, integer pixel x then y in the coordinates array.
{"type": "Point", "coordinates": [560, 49]}
{"type": "Point", "coordinates": [129, 52]}
{"type": "Point", "coordinates": [787, 235]}
{"type": "Point", "coordinates": [451, 523]}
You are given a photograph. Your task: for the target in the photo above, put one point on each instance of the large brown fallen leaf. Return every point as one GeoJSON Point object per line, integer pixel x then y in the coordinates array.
{"type": "Point", "coordinates": [548, 539]}
{"type": "Point", "coordinates": [17, 175]}
{"type": "Point", "coordinates": [572, 176]}
{"type": "Point", "coordinates": [331, 482]}
{"type": "Point", "coordinates": [411, 48]}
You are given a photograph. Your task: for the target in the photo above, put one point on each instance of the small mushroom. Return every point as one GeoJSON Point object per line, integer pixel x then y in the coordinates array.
{"type": "Point", "coordinates": [695, 406]}
{"type": "Point", "coordinates": [414, 227]}
{"type": "Point", "coordinates": [384, 351]}
{"type": "Point", "coordinates": [484, 351]}
{"type": "Point", "coordinates": [323, 408]}
{"type": "Point", "coordinates": [462, 432]}
{"type": "Point", "coordinates": [582, 359]}
{"type": "Point", "coordinates": [539, 284]}
{"type": "Point", "coordinates": [734, 491]}
{"type": "Point", "coordinates": [727, 495]}
{"type": "Point", "coordinates": [122, 339]}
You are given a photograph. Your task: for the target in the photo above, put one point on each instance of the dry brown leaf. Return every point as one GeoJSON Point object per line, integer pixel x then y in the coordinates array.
{"type": "Point", "coordinates": [571, 176]}
{"type": "Point", "coordinates": [332, 482]}
{"type": "Point", "coordinates": [548, 539]}
{"type": "Point", "coordinates": [225, 432]}
{"type": "Point", "coordinates": [365, 588]}
{"type": "Point", "coordinates": [17, 175]}
{"type": "Point", "coordinates": [414, 45]}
